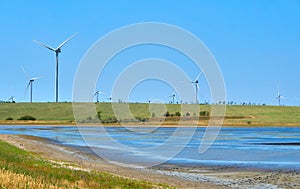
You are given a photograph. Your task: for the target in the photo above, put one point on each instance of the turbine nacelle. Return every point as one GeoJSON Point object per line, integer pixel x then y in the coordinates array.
{"type": "Point", "coordinates": [58, 50]}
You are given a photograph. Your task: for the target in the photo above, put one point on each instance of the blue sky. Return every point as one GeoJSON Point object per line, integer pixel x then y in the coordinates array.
{"type": "Point", "coordinates": [256, 44]}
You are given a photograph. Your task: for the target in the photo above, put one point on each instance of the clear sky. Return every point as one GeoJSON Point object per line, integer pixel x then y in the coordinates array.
{"type": "Point", "coordinates": [255, 42]}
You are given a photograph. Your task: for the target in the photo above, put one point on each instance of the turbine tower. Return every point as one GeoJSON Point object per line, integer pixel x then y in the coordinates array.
{"type": "Point", "coordinates": [196, 82]}
{"type": "Point", "coordinates": [57, 51]}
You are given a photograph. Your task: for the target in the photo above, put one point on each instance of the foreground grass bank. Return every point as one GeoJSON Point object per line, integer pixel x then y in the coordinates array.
{"type": "Point", "coordinates": [21, 169]}
{"type": "Point", "coordinates": [62, 113]}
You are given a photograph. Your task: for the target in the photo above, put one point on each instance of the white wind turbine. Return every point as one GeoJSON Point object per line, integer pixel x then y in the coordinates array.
{"type": "Point", "coordinates": [196, 83]}
{"type": "Point", "coordinates": [57, 51]}
{"type": "Point", "coordinates": [279, 96]}
{"type": "Point", "coordinates": [30, 83]}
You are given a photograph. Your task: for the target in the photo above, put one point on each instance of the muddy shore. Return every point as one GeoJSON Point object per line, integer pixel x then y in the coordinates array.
{"type": "Point", "coordinates": [178, 176]}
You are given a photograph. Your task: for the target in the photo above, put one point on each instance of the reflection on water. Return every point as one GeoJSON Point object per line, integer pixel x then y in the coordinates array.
{"type": "Point", "coordinates": [258, 147]}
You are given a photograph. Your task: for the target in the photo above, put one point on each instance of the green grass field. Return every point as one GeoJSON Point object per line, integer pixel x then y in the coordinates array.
{"type": "Point", "coordinates": [62, 113]}
{"type": "Point", "coordinates": [21, 169]}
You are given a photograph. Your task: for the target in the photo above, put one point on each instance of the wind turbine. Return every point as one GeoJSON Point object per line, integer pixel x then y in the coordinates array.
{"type": "Point", "coordinates": [279, 96]}
{"type": "Point", "coordinates": [149, 100]}
{"type": "Point", "coordinates": [57, 51]}
{"type": "Point", "coordinates": [196, 82]}
{"type": "Point", "coordinates": [30, 83]}
{"type": "Point", "coordinates": [97, 94]}
{"type": "Point", "coordinates": [173, 98]}
{"type": "Point", "coordinates": [12, 99]}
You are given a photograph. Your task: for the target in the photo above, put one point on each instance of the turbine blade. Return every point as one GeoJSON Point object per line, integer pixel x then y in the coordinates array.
{"type": "Point", "coordinates": [36, 78]}
{"type": "Point", "coordinates": [94, 94]}
{"type": "Point", "coordinates": [63, 43]}
{"type": "Point", "coordinates": [197, 78]}
{"type": "Point", "coordinates": [27, 88]}
{"type": "Point", "coordinates": [48, 47]}
{"type": "Point", "coordinates": [201, 72]}
{"type": "Point", "coordinates": [278, 91]}
{"type": "Point", "coordinates": [282, 97]}
{"type": "Point", "coordinates": [25, 73]}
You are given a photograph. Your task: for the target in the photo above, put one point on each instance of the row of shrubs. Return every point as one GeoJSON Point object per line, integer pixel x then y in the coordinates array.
{"type": "Point", "coordinates": [168, 114]}
{"type": "Point", "coordinates": [137, 119]}
{"type": "Point", "coordinates": [26, 117]}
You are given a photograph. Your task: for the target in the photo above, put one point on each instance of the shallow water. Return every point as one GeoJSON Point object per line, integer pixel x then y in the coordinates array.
{"type": "Point", "coordinates": [269, 147]}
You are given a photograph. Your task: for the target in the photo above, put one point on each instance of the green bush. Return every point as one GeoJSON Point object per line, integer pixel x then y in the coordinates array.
{"type": "Point", "coordinates": [27, 117]}
{"type": "Point", "coordinates": [9, 118]}
{"type": "Point", "coordinates": [167, 114]}
{"type": "Point", "coordinates": [177, 114]}
{"type": "Point", "coordinates": [204, 113]}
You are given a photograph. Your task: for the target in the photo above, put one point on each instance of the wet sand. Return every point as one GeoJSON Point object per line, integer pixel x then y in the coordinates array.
{"type": "Point", "coordinates": [178, 176]}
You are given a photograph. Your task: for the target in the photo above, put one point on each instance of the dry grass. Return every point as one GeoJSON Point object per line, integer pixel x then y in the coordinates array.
{"type": "Point", "coordinates": [9, 179]}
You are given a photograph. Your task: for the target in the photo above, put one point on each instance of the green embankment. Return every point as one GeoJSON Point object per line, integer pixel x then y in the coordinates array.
{"type": "Point", "coordinates": [62, 113]}
{"type": "Point", "coordinates": [21, 169]}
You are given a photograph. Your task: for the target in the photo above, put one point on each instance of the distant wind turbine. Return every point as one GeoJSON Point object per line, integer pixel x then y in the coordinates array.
{"type": "Point", "coordinates": [149, 100]}
{"type": "Point", "coordinates": [97, 95]}
{"type": "Point", "coordinates": [173, 98]}
{"type": "Point", "coordinates": [279, 96]}
{"type": "Point", "coordinates": [57, 51]}
{"type": "Point", "coordinates": [12, 99]}
{"type": "Point", "coordinates": [30, 83]}
{"type": "Point", "coordinates": [196, 82]}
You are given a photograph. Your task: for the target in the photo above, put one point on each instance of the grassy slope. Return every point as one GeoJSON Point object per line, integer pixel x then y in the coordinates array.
{"type": "Point", "coordinates": [256, 115]}
{"type": "Point", "coordinates": [21, 169]}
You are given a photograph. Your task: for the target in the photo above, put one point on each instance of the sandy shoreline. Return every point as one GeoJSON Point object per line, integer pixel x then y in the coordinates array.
{"type": "Point", "coordinates": [182, 177]}
{"type": "Point", "coordinates": [74, 124]}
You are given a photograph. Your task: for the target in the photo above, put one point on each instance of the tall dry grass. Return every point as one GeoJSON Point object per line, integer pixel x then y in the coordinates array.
{"type": "Point", "coordinates": [8, 179]}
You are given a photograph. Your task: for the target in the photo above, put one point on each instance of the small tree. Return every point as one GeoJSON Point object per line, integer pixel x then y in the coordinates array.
{"type": "Point", "coordinates": [177, 114]}
{"type": "Point", "coordinates": [204, 113]}
{"type": "Point", "coordinates": [167, 114]}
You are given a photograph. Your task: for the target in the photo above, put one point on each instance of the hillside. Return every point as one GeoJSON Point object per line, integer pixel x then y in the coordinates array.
{"type": "Point", "coordinates": [62, 113]}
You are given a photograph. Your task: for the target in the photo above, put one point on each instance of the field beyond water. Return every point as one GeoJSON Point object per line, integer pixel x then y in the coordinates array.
{"type": "Point", "coordinates": [62, 114]}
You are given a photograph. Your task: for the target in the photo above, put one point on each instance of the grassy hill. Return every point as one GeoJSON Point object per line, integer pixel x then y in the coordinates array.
{"type": "Point", "coordinates": [62, 113]}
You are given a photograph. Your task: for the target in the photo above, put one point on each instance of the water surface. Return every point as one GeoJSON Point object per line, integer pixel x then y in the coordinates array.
{"type": "Point", "coordinates": [269, 147]}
